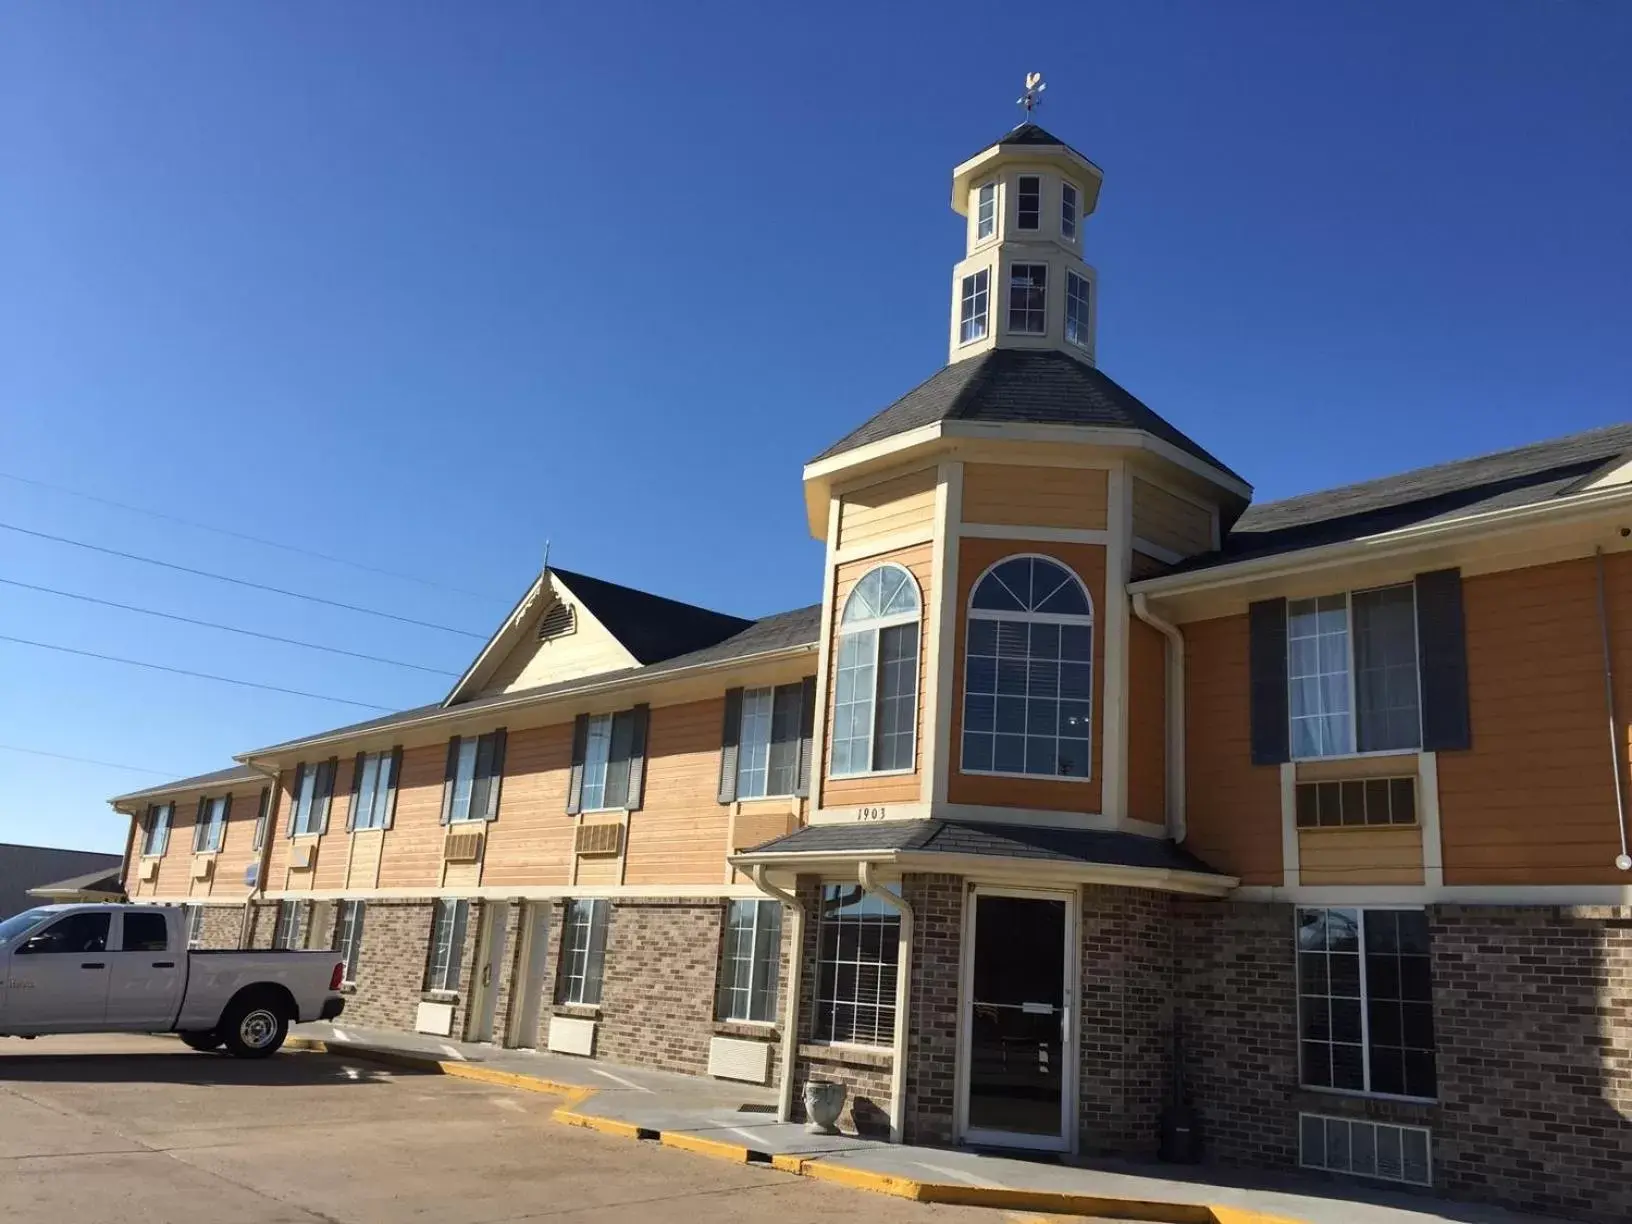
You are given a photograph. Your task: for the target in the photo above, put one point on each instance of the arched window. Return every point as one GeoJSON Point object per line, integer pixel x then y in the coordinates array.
{"type": "Point", "coordinates": [875, 687]}
{"type": "Point", "coordinates": [1028, 671]}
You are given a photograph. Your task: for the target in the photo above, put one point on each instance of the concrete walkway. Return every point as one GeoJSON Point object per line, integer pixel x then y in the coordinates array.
{"type": "Point", "coordinates": [738, 1122]}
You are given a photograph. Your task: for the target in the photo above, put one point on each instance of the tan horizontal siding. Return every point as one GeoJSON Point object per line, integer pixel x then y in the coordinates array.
{"type": "Point", "coordinates": [1013, 495]}
{"type": "Point", "coordinates": [412, 854]}
{"type": "Point", "coordinates": [679, 836]}
{"type": "Point", "coordinates": [891, 507]}
{"type": "Point", "coordinates": [1169, 521]}
{"type": "Point", "coordinates": [1147, 723]}
{"type": "Point", "coordinates": [531, 841]}
{"type": "Point", "coordinates": [1360, 856]}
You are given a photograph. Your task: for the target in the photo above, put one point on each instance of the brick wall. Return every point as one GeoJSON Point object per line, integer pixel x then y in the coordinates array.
{"type": "Point", "coordinates": [222, 926]}
{"type": "Point", "coordinates": [657, 991]}
{"type": "Point", "coordinates": [932, 1036]}
{"type": "Point", "coordinates": [1533, 1016]}
{"type": "Point", "coordinates": [1125, 1019]}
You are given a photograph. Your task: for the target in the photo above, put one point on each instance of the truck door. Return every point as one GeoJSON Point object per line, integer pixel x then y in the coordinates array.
{"type": "Point", "coordinates": [58, 979]}
{"type": "Point", "coordinates": [146, 973]}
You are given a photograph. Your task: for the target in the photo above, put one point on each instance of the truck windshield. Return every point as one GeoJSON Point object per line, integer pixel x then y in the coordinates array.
{"type": "Point", "coordinates": [18, 923]}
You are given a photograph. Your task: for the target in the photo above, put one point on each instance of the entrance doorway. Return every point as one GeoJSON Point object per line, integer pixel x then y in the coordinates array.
{"type": "Point", "coordinates": [1019, 1074]}
{"type": "Point", "coordinates": [527, 994]}
{"type": "Point", "coordinates": [484, 992]}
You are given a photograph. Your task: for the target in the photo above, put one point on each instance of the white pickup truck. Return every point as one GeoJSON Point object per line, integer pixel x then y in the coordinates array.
{"type": "Point", "coordinates": [127, 968]}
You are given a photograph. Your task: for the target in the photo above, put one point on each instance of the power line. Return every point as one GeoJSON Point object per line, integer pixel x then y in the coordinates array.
{"type": "Point", "coordinates": [79, 760]}
{"type": "Point", "coordinates": [243, 582]}
{"type": "Point", "coordinates": [188, 620]}
{"type": "Point", "coordinates": [181, 671]}
{"type": "Point", "coordinates": [238, 535]}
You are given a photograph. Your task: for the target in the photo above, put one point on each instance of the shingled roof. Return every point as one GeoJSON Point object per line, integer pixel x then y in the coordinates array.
{"type": "Point", "coordinates": [1021, 386]}
{"type": "Point", "coordinates": [1029, 133]}
{"type": "Point", "coordinates": [650, 627]}
{"type": "Point", "coordinates": [1525, 475]}
{"type": "Point", "coordinates": [221, 777]}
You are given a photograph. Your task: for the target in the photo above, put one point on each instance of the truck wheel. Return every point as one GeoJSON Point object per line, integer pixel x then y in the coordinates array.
{"type": "Point", "coordinates": [254, 1026]}
{"type": "Point", "coordinates": [203, 1042]}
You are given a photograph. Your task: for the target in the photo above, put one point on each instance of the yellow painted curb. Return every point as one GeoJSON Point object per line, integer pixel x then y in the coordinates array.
{"type": "Point", "coordinates": [607, 1126]}
{"type": "Point", "coordinates": [790, 1164]}
{"type": "Point", "coordinates": [704, 1147]}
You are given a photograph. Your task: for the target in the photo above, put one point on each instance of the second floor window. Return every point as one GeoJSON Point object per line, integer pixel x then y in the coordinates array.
{"type": "Point", "coordinates": [373, 789]}
{"type": "Point", "coordinates": [875, 705]}
{"type": "Point", "coordinates": [475, 771]}
{"type": "Point", "coordinates": [1077, 330]}
{"type": "Point", "coordinates": [1029, 202]}
{"type": "Point", "coordinates": [769, 743]}
{"type": "Point", "coordinates": [156, 836]}
{"type": "Point", "coordinates": [212, 824]}
{"type": "Point", "coordinates": [262, 817]}
{"type": "Point", "coordinates": [1068, 212]}
{"type": "Point", "coordinates": [1028, 299]}
{"type": "Point", "coordinates": [973, 307]}
{"type": "Point", "coordinates": [311, 793]}
{"type": "Point", "coordinates": [1352, 673]}
{"type": "Point", "coordinates": [1028, 672]}
{"type": "Point", "coordinates": [985, 211]}
{"type": "Point", "coordinates": [608, 761]}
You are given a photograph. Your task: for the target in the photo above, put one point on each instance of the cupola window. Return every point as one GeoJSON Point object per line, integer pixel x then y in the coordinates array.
{"type": "Point", "coordinates": [1028, 293]}
{"type": "Point", "coordinates": [1076, 310]}
{"type": "Point", "coordinates": [1068, 212]}
{"type": "Point", "coordinates": [1029, 207]}
{"type": "Point", "coordinates": [986, 211]}
{"type": "Point", "coordinates": [972, 320]}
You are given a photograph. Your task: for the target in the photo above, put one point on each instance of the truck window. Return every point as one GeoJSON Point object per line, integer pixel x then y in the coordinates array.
{"type": "Point", "coordinates": [75, 934]}
{"type": "Point", "coordinates": [17, 924]}
{"type": "Point", "coordinates": [145, 932]}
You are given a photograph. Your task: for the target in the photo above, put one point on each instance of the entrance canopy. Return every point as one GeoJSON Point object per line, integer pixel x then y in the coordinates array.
{"type": "Point", "coordinates": [1036, 854]}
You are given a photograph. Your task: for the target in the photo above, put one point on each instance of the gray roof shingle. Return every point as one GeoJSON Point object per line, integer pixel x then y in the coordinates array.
{"type": "Point", "coordinates": [1020, 386]}
{"type": "Point", "coordinates": [1029, 133]}
{"type": "Point", "coordinates": [651, 627]}
{"type": "Point", "coordinates": [221, 777]}
{"type": "Point", "coordinates": [988, 840]}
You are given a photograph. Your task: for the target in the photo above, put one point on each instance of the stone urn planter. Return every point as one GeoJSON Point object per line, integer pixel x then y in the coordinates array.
{"type": "Point", "coordinates": [824, 1102]}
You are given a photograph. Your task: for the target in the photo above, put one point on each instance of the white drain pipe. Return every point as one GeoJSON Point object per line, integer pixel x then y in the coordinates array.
{"type": "Point", "coordinates": [1175, 713]}
{"type": "Point", "coordinates": [790, 991]}
{"type": "Point", "coordinates": [1623, 861]}
{"type": "Point", "coordinates": [903, 995]}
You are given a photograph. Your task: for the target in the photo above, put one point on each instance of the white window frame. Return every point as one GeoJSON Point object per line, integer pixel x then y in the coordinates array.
{"type": "Point", "coordinates": [576, 960]}
{"type": "Point", "coordinates": [1039, 618]}
{"type": "Point", "coordinates": [1041, 312]}
{"type": "Point", "coordinates": [747, 769]}
{"type": "Point", "coordinates": [1084, 293]}
{"type": "Point", "coordinates": [464, 783]}
{"type": "Point", "coordinates": [1360, 908]}
{"type": "Point", "coordinates": [263, 819]}
{"type": "Point", "coordinates": [1019, 208]}
{"type": "Point", "coordinates": [288, 930]}
{"type": "Point", "coordinates": [307, 821]}
{"type": "Point", "coordinates": [444, 968]}
{"type": "Point", "coordinates": [763, 943]}
{"type": "Point", "coordinates": [156, 837]}
{"type": "Point", "coordinates": [887, 998]}
{"type": "Point", "coordinates": [986, 210]}
{"type": "Point", "coordinates": [1070, 206]}
{"type": "Point", "coordinates": [976, 287]}
{"type": "Point", "coordinates": [195, 927]}
{"type": "Point", "coordinates": [348, 937]}
{"type": "Point", "coordinates": [375, 787]}
{"type": "Point", "coordinates": [874, 626]}
{"type": "Point", "coordinates": [212, 830]}
{"type": "Point", "coordinates": [1352, 748]}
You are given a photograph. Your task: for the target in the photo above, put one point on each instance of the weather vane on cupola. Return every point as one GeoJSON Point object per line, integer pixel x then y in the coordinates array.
{"type": "Point", "coordinates": [1033, 97]}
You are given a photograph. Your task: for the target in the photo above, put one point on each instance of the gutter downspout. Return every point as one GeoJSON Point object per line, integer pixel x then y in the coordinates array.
{"type": "Point", "coordinates": [790, 1011]}
{"type": "Point", "coordinates": [1623, 861]}
{"type": "Point", "coordinates": [1176, 826]}
{"type": "Point", "coordinates": [903, 996]}
{"type": "Point", "coordinates": [265, 853]}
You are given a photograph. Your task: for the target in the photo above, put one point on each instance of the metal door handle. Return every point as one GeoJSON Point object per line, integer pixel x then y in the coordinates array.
{"type": "Point", "coordinates": [164, 964]}
{"type": "Point", "coordinates": [93, 965]}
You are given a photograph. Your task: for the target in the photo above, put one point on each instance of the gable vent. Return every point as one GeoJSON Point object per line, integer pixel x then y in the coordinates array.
{"type": "Point", "coordinates": [557, 622]}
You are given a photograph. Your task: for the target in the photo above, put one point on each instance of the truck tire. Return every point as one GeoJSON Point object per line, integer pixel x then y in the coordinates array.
{"type": "Point", "coordinates": [254, 1025]}
{"type": "Point", "coordinates": [202, 1042]}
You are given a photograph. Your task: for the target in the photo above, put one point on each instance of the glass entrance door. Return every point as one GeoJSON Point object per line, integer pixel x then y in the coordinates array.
{"type": "Point", "coordinates": [1018, 1023]}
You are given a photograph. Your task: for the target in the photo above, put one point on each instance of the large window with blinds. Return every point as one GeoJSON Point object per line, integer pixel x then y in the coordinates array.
{"type": "Point", "coordinates": [859, 955]}
{"type": "Point", "coordinates": [875, 704]}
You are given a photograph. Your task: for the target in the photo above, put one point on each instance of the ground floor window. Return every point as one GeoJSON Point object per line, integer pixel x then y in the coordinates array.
{"type": "Point", "coordinates": [195, 926]}
{"type": "Point", "coordinates": [289, 929]}
{"type": "Point", "coordinates": [448, 925]}
{"type": "Point", "coordinates": [856, 967]}
{"type": "Point", "coordinates": [348, 935]}
{"type": "Point", "coordinates": [750, 960]}
{"type": "Point", "coordinates": [583, 953]}
{"type": "Point", "coordinates": [1365, 1001]}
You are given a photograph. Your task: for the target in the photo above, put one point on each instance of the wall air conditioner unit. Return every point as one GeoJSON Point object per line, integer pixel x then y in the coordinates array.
{"type": "Point", "coordinates": [302, 855]}
{"type": "Point", "coordinates": [203, 866]}
{"type": "Point", "coordinates": [149, 870]}
{"type": "Point", "coordinates": [465, 847]}
{"type": "Point", "coordinates": [599, 839]}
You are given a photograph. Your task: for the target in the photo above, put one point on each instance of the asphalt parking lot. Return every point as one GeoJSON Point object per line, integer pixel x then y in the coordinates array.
{"type": "Point", "coordinates": [141, 1129]}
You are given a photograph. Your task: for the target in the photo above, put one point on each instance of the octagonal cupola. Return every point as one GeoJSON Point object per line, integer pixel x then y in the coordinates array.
{"type": "Point", "coordinates": [1022, 282]}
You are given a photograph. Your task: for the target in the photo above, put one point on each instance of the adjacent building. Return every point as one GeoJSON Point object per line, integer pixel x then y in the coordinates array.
{"type": "Point", "coordinates": [1086, 777]}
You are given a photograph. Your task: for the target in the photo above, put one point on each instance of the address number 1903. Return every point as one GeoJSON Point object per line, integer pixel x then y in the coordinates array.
{"type": "Point", "coordinates": [870, 813]}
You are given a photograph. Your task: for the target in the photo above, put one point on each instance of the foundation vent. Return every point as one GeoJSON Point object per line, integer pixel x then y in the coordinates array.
{"type": "Point", "coordinates": [1365, 1149]}
{"type": "Point", "coordinates": [599, 839]}
{"type": "Point", "coordinates": [462, 847]}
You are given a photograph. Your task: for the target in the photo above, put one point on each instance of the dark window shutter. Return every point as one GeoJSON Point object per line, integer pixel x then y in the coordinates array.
{"type": "Point", "coordinates": [198, 825]}
{"type": "Point", "coordinates": [807, 731]}
{"type": "Point", "coordinates": [1442, 649]}
{"type": "Point", "coordinates": [637, 757]}
{"type": "Point", "coordinates": [496, 773]}
{"type": "Point", "coordinates": [294, 795]}
{"type": "Point", "coordinates": [324, 793]}
{"type": "Point", "coordinates": [448, 776]}
{"type": "Point", "coordinates": [575, 780]}
{"type": "Point", "coordinates": [356, 790]}
{"type": "Point", "coordinates": [1266, 629]}
{"type": "Point", "coordinates": [391, 793]}
{"type": "Point", "coordinates": [730, 740]}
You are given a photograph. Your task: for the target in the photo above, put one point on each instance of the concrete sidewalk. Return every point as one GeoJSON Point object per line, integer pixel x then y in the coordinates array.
{"type": "Point", "coordinates": [738, 1122]}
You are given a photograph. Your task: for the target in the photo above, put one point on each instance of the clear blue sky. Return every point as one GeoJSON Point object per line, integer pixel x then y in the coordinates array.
{"type": "Point", "coordinates": [423, 285]}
